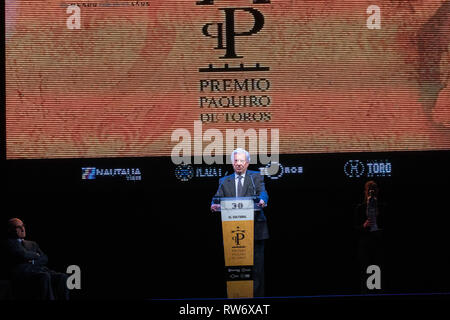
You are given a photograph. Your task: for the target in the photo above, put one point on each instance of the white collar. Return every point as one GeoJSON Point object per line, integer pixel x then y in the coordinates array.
{"type": "Point", "coordinates": [236, 175]}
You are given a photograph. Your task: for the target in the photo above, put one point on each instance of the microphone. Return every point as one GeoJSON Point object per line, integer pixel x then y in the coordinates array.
{"type": "Point", "coordinates": [253, 183]}
{"type": "Point", "coordinates": [254, 188]}
{"type": "Point", "coordinates": [220, 186]}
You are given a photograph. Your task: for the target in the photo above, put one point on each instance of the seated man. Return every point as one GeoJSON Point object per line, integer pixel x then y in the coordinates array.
{"type": "Point", "coordinates": [27, 264]}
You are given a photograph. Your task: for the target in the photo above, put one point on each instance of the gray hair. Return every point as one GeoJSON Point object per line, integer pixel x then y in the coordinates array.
{"type": "Point", "coordinates": [240, 150]}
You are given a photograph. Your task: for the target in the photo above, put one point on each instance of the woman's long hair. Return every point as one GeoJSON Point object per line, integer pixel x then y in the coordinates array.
{"type": "Point", "coordinates": [370, 185]}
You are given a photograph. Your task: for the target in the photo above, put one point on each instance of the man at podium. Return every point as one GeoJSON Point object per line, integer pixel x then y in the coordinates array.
{"type": "Point", "coordinates": [247, 183]}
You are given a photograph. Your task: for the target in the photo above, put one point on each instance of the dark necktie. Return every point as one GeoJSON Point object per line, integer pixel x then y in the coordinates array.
{"type": "Point", "coordinates": [239, 188]}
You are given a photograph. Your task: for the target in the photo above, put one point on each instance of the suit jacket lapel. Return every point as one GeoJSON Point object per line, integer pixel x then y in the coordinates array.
{"type": "Point", "coordinates": [232, 185]}
{"type": "Point", "coordinates": [247, 182]}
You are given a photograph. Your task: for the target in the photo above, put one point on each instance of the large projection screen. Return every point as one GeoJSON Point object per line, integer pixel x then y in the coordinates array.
{"type": "Point", "coordinates": [115, 78]}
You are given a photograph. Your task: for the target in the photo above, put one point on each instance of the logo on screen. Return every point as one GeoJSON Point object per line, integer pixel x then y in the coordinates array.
{"type": "Point", "coordinates": [354, 168]}
{"type": "Point", "coordinates": [369, 168]}
{"type": "Point", "coordinates": [209, 172]}
{"type": "Point", "coordinates": [184, 172]}
{"type": "Point", "coordinates": [225, 34]}
{"type": "Point", "coordinates": [129, 174]}
{"type": "Point", "coordinates": [276, 170]}
{"type": "Point", "coordinates": [88, 173]}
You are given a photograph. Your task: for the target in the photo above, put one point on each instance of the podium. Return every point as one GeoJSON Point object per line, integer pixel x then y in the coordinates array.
{"type": "Point", "coordinates": [238, 241]}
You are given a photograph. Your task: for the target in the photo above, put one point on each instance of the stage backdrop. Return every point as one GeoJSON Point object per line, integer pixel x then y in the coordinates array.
{"type": "Point", "coordinates": [115, 78]}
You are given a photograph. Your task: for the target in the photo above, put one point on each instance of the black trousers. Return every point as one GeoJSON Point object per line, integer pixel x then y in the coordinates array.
{"type": "Point", "coordinates": [258, 268]}
{"type": "Point", "coordinates": [41, 285]}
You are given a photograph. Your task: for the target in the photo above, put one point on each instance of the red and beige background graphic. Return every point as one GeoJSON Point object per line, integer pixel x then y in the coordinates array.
{"type": "Point", "coordinates": [122, 83]}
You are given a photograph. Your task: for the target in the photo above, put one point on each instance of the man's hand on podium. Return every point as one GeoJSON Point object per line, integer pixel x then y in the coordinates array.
{"type": "Point", "coordinates": [261, 203]}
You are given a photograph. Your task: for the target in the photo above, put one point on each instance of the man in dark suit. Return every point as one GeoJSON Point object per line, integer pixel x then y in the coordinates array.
{"type": "Point", "coordinates": [246, 183]}
{"type": "Point", "coordinates": [27, 264]}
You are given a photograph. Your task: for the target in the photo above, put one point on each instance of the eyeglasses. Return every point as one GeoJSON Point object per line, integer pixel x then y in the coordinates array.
{"type": "Point", "coordinates": [20, 227]}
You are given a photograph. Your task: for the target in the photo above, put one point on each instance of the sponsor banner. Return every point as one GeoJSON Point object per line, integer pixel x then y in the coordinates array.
{"type": "Point", "coordinates": [128, 174]}
{"type": "Point", "coordinates": [238, 235]}
{"type": "Point", "coordinates": [368, 168]}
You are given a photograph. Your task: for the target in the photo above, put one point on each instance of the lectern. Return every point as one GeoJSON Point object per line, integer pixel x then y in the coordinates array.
{"type": "Point", "coordinates": [238, 240]}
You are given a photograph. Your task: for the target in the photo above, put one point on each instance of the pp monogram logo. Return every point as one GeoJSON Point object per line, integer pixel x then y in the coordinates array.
{"type": "Point", "coordinates": [230, 32]}
{"type": "Point", "coordinates": [239, 235]}
{"type": "Point", "coordinates": [225, 33]}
